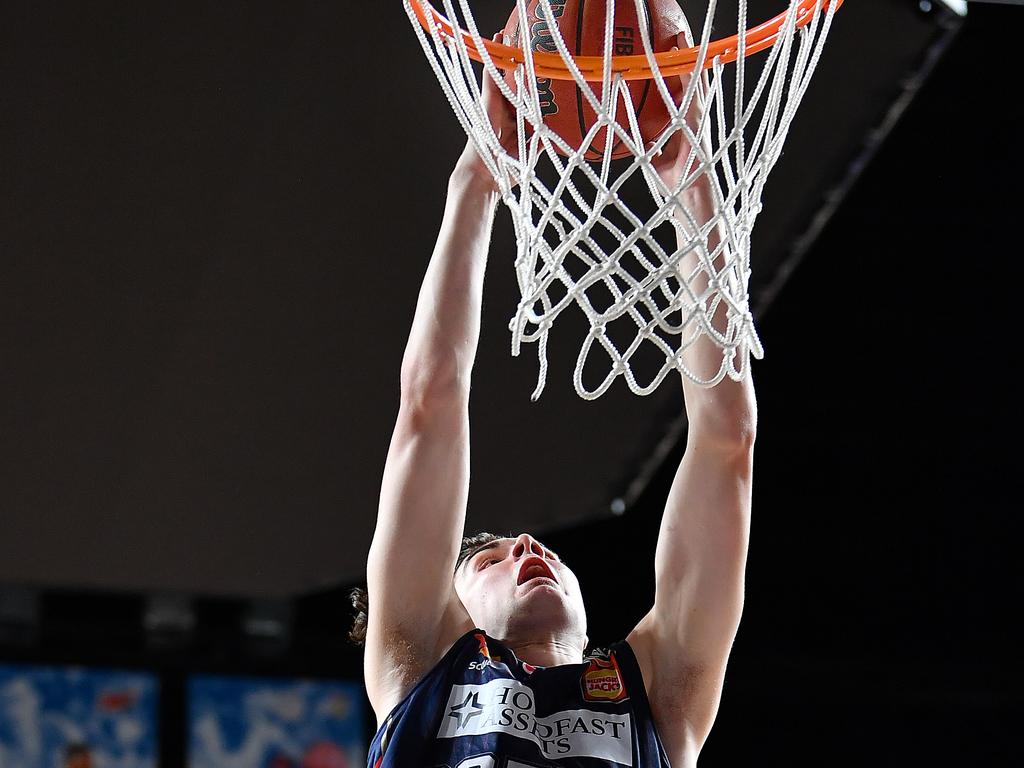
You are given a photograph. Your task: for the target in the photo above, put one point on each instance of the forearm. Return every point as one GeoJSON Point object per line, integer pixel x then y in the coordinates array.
{"type": "Point", "coordinates": [446, 327]}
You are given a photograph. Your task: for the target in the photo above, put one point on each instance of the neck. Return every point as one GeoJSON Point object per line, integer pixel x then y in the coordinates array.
{"type": "Point", "coordinates": [547, 652]}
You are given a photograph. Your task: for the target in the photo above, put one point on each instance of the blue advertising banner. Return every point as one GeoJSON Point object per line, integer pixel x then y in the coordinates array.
{"type": "Point", "coordinates": [72, 717]}
{"type": "Point", "coordinates": [258, 723]}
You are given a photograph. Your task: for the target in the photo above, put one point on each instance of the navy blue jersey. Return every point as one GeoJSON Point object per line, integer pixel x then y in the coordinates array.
{"type": "Point", "coordinates": [481, 707]}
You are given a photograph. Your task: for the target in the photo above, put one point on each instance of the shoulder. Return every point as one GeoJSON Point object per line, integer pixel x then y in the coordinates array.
{"type": "Point", "coordinates": [395, 664]}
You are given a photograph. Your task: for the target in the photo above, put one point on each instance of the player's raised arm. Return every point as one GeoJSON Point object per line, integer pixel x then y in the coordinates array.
{"type": "Point", "coordinates": [413, 612]}
{"type": "Point", "coordinates": [702, 543]}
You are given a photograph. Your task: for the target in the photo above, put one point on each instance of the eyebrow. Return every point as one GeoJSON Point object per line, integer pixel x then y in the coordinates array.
{"type": "Point", "coordinates": [494, 544]}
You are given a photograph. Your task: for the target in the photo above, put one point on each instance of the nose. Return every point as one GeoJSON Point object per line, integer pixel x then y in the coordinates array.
{"type": "Point", "coordinates": [526, 546]}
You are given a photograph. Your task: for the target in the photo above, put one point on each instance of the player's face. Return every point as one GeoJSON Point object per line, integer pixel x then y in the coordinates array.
{"type": "Point", "coordinates": [518, 588]}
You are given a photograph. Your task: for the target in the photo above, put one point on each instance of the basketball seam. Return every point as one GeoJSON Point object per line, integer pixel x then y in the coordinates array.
{"type": "Point", "coordinates": [647, 83]}
{"type": "Point", "coordinates": [579, 92]}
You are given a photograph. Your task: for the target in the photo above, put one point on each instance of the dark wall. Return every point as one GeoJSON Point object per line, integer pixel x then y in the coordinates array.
{"type": "Point", "coordinates": [214, 219]}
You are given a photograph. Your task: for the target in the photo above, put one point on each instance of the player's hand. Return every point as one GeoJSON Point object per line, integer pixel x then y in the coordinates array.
{"type": "Point", "coordinates": [669, 165]}
{"type": "Point", "coordinates": [503, 119]}
{"type": "Point", "coordinates": [501, 113]}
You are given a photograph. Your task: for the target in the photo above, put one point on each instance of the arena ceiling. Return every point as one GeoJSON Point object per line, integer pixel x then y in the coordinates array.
{"type": "Point", "coordinates": [214, 220]}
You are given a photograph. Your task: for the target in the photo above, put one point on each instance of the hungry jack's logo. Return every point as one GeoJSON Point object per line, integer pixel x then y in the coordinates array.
{"type": "Point", "coordinates": [602, 681]}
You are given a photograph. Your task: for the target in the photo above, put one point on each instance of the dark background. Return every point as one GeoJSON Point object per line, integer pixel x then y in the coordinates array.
{"type": "Point", "coordinates": [215, 220]}
{"type": "Point", "coordinates": [883, 575]}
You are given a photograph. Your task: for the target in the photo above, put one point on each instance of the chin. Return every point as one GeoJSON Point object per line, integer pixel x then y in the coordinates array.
{"type": "Point", "coordinates": [542, 593]}
{"type": "Point", "coordinates": [542, 605]}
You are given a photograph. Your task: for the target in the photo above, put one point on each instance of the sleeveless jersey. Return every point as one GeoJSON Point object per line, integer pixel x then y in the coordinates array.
{"type": "Point", "coordinates": [481, 707]}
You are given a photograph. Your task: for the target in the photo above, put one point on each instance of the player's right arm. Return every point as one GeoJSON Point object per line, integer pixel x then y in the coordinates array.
{"type": "Point", "coordinates": [414, 613]}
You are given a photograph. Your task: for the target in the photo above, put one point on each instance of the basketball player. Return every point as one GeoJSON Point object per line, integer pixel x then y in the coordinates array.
{"type": "Point", "coordinates": [475, 654]}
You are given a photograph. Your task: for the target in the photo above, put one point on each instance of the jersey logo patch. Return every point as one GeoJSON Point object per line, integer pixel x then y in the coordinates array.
{"type": "Point", "coordinates": [602, 681]}
{"type": "Point", "coordinates": [507, 706]}
{"type": "Point", "coordinates": [467, 710]}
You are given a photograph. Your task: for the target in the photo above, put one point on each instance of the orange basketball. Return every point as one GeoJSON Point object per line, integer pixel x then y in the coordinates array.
{"type": "Point", "coordinates": [582, 24]}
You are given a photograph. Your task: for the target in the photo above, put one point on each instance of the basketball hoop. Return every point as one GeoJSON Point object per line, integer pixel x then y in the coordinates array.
{"type": "Point", "coordinates": [579, 243]}
{"type": "Point", "coordinates": [636, 67]}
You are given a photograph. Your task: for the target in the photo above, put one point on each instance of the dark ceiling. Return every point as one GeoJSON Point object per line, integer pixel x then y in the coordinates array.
{"type": "Point", "coordinates": [213, 223]}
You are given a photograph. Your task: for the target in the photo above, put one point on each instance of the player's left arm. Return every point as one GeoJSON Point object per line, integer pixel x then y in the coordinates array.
{"type": "Point", "coordinates": [683, 643]}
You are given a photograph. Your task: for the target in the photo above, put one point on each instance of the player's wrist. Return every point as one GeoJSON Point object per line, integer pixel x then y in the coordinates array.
{"type": "Point", "coordinates": [470, 175]}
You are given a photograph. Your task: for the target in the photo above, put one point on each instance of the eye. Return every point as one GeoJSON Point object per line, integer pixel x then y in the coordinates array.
{"type": "Point", "coordinates": [489, 562]}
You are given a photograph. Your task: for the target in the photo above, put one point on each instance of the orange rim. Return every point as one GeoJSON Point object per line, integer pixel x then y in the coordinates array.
{"type": "Point", "coordinates": [635, 67]}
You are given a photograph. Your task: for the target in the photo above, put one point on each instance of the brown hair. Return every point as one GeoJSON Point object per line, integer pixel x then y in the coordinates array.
{"type": "Point", "coordinates": [360, 600]}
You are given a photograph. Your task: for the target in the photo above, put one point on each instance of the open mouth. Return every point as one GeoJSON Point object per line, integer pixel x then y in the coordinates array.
{"type": "Point", "coordinates": [534, 568]}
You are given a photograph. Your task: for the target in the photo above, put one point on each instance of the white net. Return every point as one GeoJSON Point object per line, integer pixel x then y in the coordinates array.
{"type": "Point", "coordinates": [657, 274]}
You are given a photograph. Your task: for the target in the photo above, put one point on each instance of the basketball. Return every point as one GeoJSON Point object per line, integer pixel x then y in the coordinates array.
{"type": "Point", "coordinates": [582, 24]}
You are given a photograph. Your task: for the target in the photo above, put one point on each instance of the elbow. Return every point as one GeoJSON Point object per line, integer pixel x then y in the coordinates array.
{"type": "Point", "coordinates": [431, 388]}
{"type": "Point", "coordinates": [730, 427]}
{"type": "Point", "coordinates": [740, 432]}
{"type": "Point", "coordinates": [724, 415]}
{"type": "Point", "coordinates": [433, 376]}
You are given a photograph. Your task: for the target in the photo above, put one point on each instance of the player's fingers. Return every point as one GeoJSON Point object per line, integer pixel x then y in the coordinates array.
{"type": "Point", "coordinates": [497, 37]}
{"type": "Point", "coordinates": [685, 77]}
{"type": "Point", "coordinates": [497, 105]}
